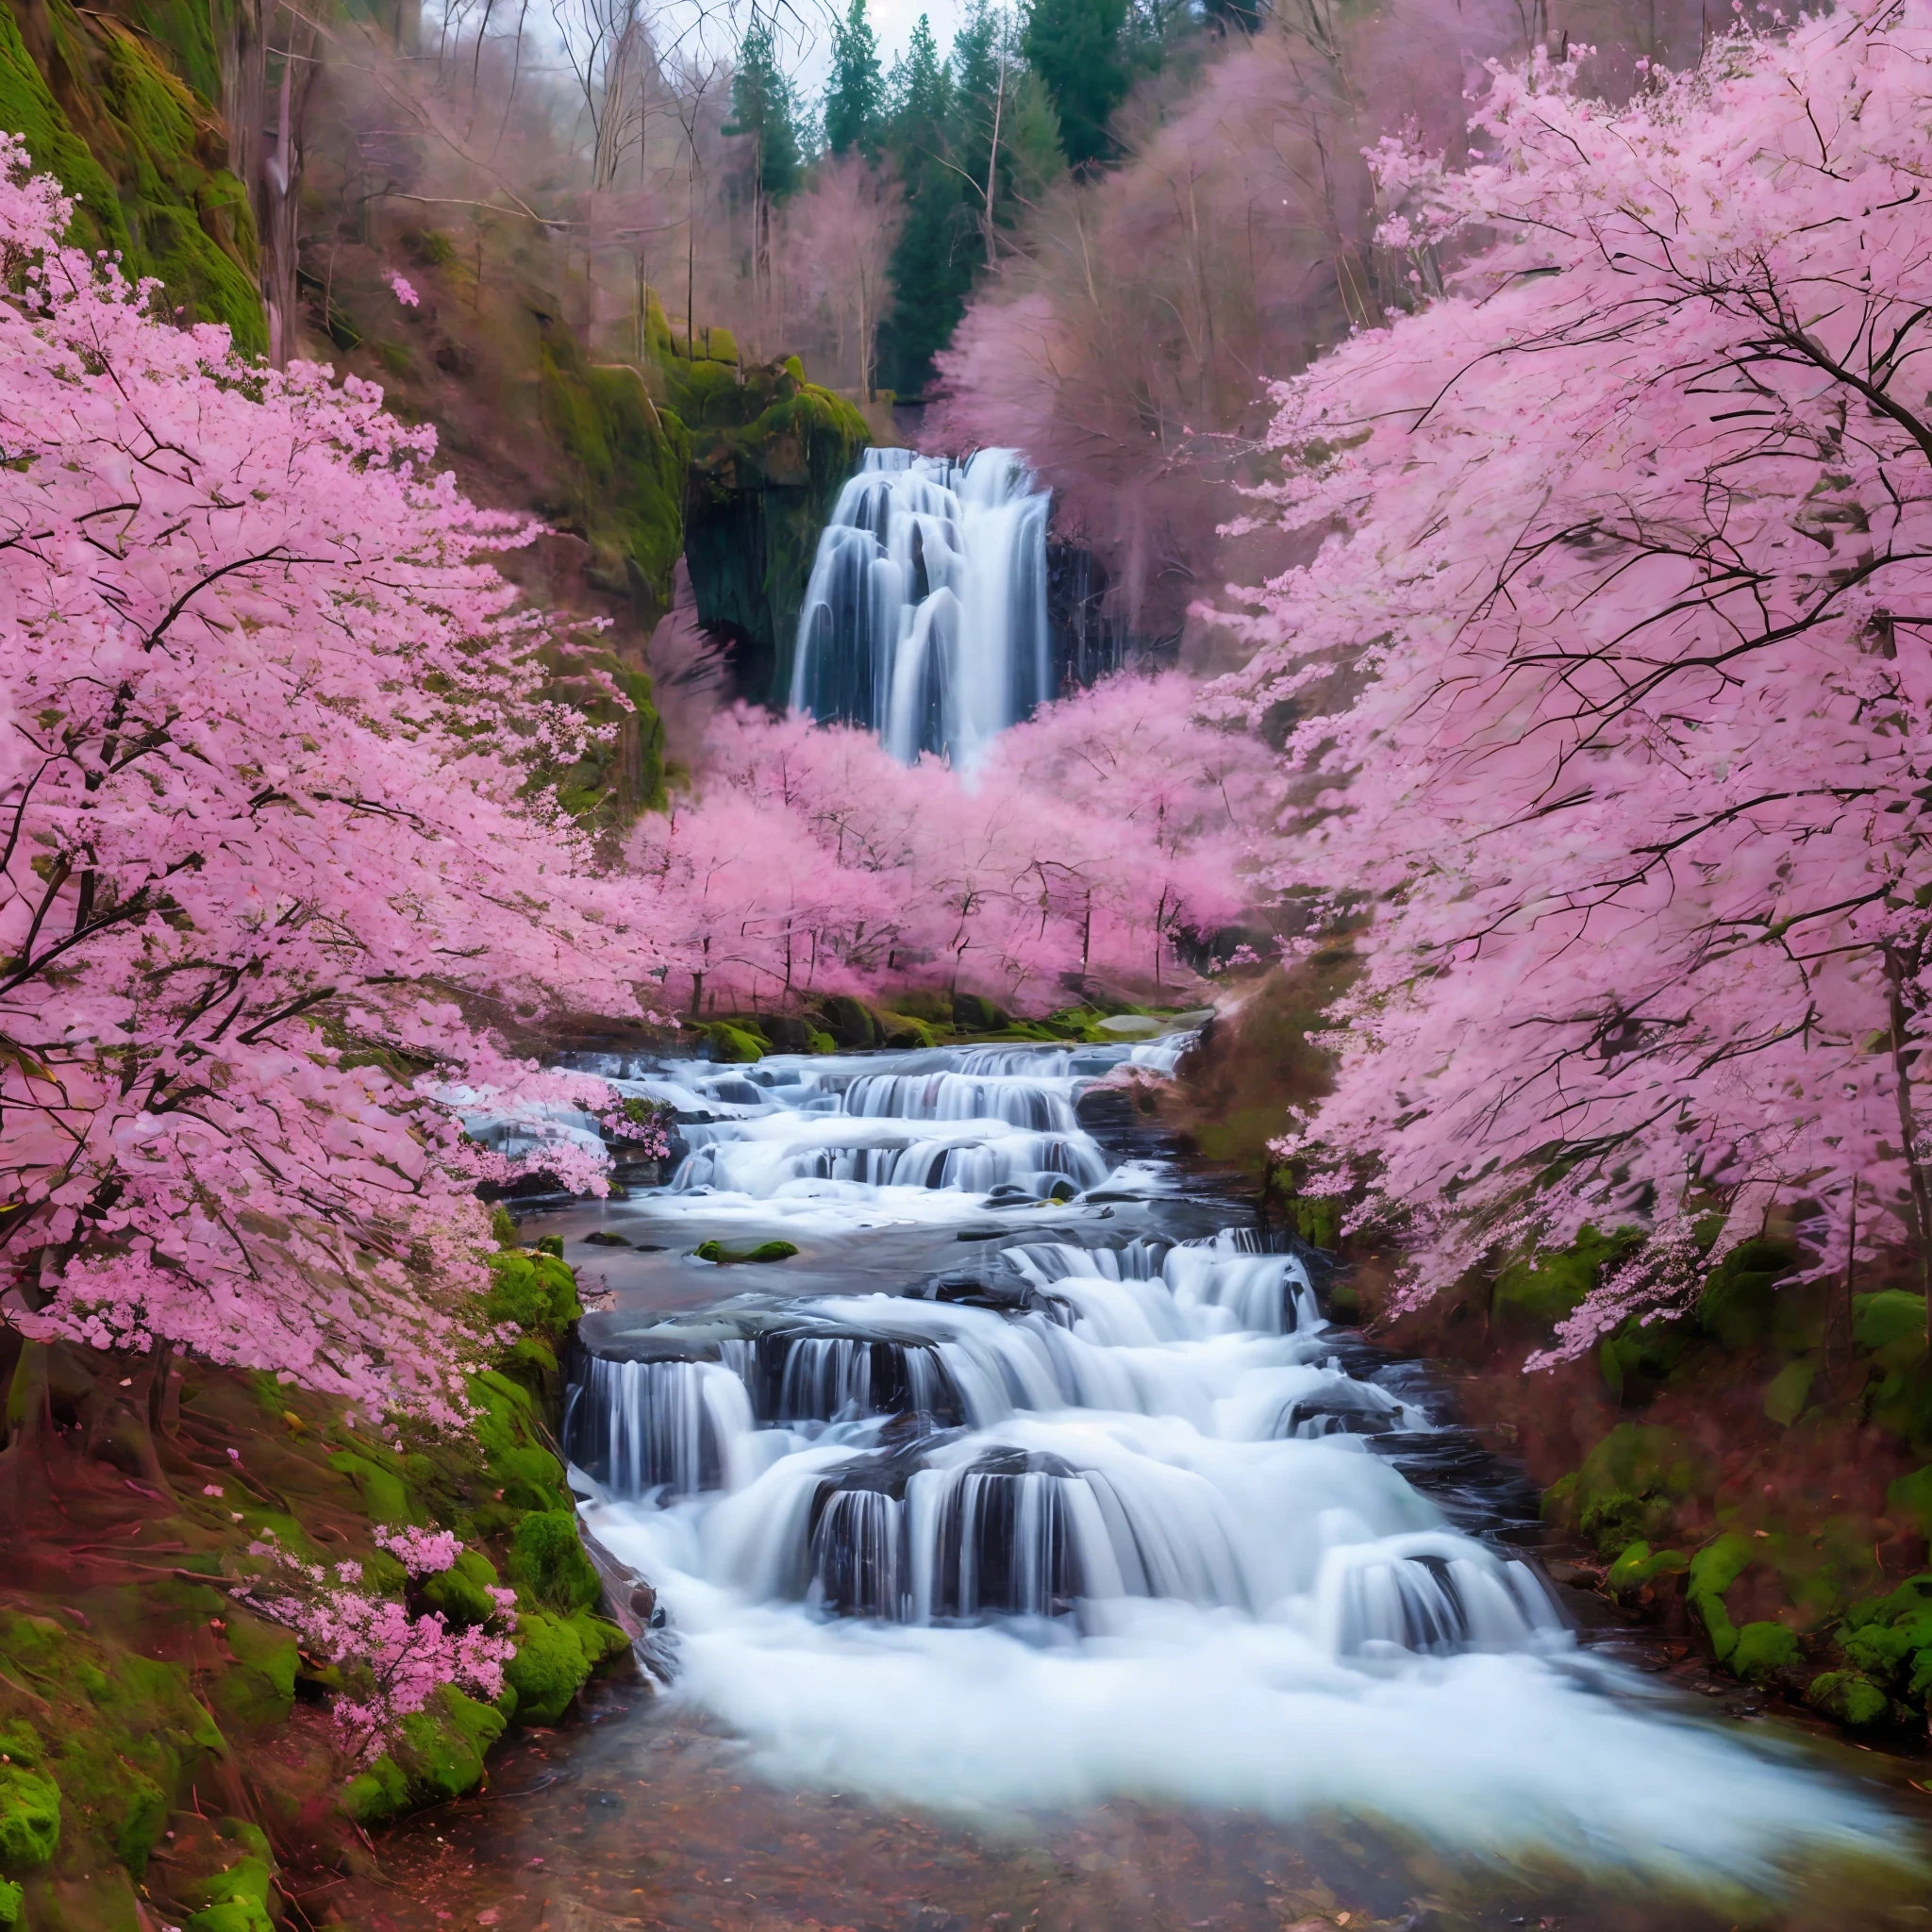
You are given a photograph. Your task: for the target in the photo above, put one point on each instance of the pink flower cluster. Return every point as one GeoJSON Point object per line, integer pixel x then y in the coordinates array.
{"type": "Point", "coordinates": [393, 1663]}
{"type": "Point", "coordinates": [1624, 567]}
{"type": "Point", "coordinates": [403, 291]}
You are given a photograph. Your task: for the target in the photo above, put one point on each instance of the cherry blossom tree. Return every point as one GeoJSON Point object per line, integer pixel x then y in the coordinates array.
{"type": "Point", "coordinates": [269, 864]}
{"type": "Point", "coordinates": [1626, 566]}
{"type": "Point", "coordinates": [1089, 839]}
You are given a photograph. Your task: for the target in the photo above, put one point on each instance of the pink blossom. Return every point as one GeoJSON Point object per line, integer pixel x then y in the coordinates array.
{"type": "Point", "coordinates": [1621, 572]}
{"type": "Point", "coordinates": [403, 292]}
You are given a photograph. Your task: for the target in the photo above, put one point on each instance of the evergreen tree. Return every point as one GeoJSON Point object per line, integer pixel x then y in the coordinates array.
{"type": "Point", "coordinates": [1031, 138]}
{"type": "Point", "coordinates": [932, 264]}
{"type": "Point", "coordinates": [1079, 49]}
{"type": "Point", "coordinates": [763, 111]}
{"type": "Point", "coordinates": [854, 100]}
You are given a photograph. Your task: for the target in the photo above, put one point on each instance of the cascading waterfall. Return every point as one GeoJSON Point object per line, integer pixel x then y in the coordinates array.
{"type": "Point", "coordinates": [1104, 1507]}
{"type": "Point", "coordinates": [926, 616]}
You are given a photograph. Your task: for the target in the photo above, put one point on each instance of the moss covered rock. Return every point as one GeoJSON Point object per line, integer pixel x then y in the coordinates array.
{"type": "Point", "coordinates": [734, 1044]}
{"type": "Point", "coordinates": [1713, 1570]}
{"type": "Point", "coordinates": [716, 1251]}
{"type": "Point", "coordinates": [29, 1818]}
{"type": "Point", "coordinates": [547, 1561]}
{"type": "Point", "coordinates": [1850, 1697]}
{"type": "Point", "coordinates": [1628, 1487]}
{"type": "Point", "coordinates": [239, 1897]}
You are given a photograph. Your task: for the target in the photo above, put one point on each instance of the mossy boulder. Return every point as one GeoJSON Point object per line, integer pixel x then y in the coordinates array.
{"type": "Point", "coordinates": [1763, 1650]}
{"type": "Point", "coordinates": [1742, 1304]}
{"type": "Point", "coordinates": [1629, 1487]}
{"type": "Point", "coordinates": [1889, 1639]}
{"type": "Point", "coordinates": [29, 1818]}
{"type": "Point", "coordinates": [462, 1593]}
{"type": "Point", "coordinates": [1639, 1565]}
{"type": "Point", "coordinates": [715, 1251]}
{"type": "Point", "coordinates": [906, 1032]}
{"type": "Point", "coordinates": [851, 1023]}
{"type": "Point", "coordinates": [1850, 1697]}
{"type": "Point", "coordinates": [536, 1291]}
{"type": "Point", "coordinates": [13, 1903]}
{"type": "Point", "coordinates": [548, 1562]}
{"type": "Point", "coordinates": [974, 1013]}
{"type": "Point", "coordinates": [554, 1657]}
{"type": "Point", "coordinates": [734, 1044]}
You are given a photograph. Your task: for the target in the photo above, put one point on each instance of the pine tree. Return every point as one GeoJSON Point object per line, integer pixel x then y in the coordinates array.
{"type": "Point", "coordinates": [854, 100]}
{"type": "Point", "coordinates": [1079, 49]}
{"type": "Point", "coordinates": [763, 111]}
{"type": "Point", "coordinates": [932, 265]}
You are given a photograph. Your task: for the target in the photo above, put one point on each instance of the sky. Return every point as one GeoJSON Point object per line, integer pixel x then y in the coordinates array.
{"type": "Point", "coordinates": [805, 32]}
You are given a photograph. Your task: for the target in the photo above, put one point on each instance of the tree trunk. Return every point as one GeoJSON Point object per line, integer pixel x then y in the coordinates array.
{"type": "Point", "coordinates": [1902, 1052]}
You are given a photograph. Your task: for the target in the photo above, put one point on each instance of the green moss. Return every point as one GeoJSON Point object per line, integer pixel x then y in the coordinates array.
{"type": "Point", "coordinates": [1784, 1401]}
{"type": "Point", "coordinates": [766, 1250]}
{"type": "Point", "coordinates": [627, 458]}
{"type": "Point", "coordinates": [376, 1793]}
{"type": "Point", "coordinates": [973, 1013]}
{"type": "Point", "coordinates": [1532, 1295]}
{"type": "Point", "coordinates": [13, 1902]}
{"type": "Point", "coordinates": [462, 1593]}
{"type": "Point", "coordinates": [1910, 1497]}
{"type": "Point", "coordinates": [1741, 1306]}
{"type": "Point", "coordinates": [236, 1898]}
{"type": "Point", "coordinates": [549, 1668]}
{"type": "Point", "coordinates": [535, 1292]}
{"type": "Point", "coordinates": [1713, 1570]}
{"type": "Point", "coordinates": [822, 1042]}
{"type": "Point", "coordinates": [547, 1560]}
{"type": "Point", "coordinates": [1763, 1648]}
{"type": "Point", "coordinates": [850, 1022]}
{"type": "Point", "coordinates": [261, 1690]}
{"type": "Point", "coordinates": [385, 1498]}
{"type": "Point", "coordinates": [1628, 1488]}
{"type": "Point", "coordinates": [734, 1044]}
{"type": "Point", "coordinates": [29, 1818]}
{"type": "Point", "coordinates": [28, 109]}
{"type": "Point", "coordinates": [442, 1746]}
{"type": "Point", "coordinates": [1639, 1565]}
{"type": "Point", "coordinates": [1849, 1697]}
{"type": "Point", "coordinates": [907, 1032]}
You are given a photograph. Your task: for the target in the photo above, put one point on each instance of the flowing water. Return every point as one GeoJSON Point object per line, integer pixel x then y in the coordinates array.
{"type": "Point", "coordinates": [925, 617]}
{"type": "Point", "coordinates": [1031, 1550]}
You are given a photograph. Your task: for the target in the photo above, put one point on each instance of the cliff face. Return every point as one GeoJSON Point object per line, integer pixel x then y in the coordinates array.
{"type": "Point", "coordinates": [124, 110]}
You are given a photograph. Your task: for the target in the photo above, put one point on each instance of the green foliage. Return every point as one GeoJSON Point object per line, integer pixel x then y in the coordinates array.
{"type": "Point", "coordinates": [547, 1561]}
{"type": "Point", "coordinates": [28, 109]}
{"type": "Point", "coordinates": [763, 112]}
{"type": "Point", "coordinates": [766, 1250]}
{"type": "Point", "coordinates": [855, 96]}
{"type": "Point", "coordinates": [1079, 49]}
{"type": "Point", "coordinates": [13, 1902]}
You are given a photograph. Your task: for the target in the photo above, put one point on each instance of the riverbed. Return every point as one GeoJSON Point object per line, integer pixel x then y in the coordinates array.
{"type": "Point", "coordinates": [1032, 1551]}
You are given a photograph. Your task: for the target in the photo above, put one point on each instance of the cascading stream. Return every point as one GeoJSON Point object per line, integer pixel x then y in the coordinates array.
{"type": "Point", "coordinates": [926, 616]}
{"type": "Point", "coordinates": [1103, 1505]}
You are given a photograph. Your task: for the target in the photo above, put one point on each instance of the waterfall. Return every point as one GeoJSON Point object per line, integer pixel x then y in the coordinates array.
{"type": "Point", "coordinates": [926, 616]}
{"type": "Point", "coordinates": [995, 1497]}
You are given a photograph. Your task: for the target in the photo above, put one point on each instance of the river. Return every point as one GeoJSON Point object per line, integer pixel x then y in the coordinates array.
{"type": "Point", "coordinates": [1032, 1552]}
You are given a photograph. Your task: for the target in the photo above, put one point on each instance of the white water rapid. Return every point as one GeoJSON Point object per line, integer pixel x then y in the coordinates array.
{"type": "Point", "coordinates": [926, 616]}
{"type": "Point", "coordinates": [1027, 1484]}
